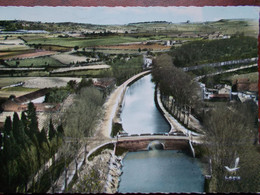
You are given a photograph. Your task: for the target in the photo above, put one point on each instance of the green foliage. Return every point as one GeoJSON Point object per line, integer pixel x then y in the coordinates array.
{"type": "Point", "coordinates": [81, 118]}
{"type": "Point", "coordinates": [123, 70]}
{"type": "Point", "coordinates": [32, 119]}
{"type": "Point", "coordinates": [174, 81]}
{"type": "Point", "coordinates": [84, 83]}
{"type": "Point", "coordinates": [52, 174]}
{"type": "Point", "coordinates": [116, 128]}
{"type": "Point", "coordinates": [201, 52]}
{"type": "Point", "coordinates": [57, 95]}
{"type": "Point", "coordinates": [25, 150]}
{"type": "Point", "coordinates": [71, 85]}
{"type": "Point", "coordinates": [231, 133]}
{"type": "Point", "coordinates": [8, 125]}
{"type": "Point", "coordinates": [52, 131]}
{"type": "Point", "coordinates": [76, 48]}
{"type": "Point", "coordinates": [60, 130]}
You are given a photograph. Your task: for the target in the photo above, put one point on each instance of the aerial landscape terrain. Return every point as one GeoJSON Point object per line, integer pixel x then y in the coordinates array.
{"type": "Point", "coordinates": [149, 106]}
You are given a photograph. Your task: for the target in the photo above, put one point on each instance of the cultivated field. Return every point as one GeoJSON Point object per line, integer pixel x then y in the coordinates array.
{"type": "Point", "coordinates": [85, 42]}
{"type": "Point", "coordinates": [6, 81]}
{"type": "Point", "coordinates": [17, 91]}
{"type": "Point", "coordinates": [9, 47]}
{"type": "Point", "coordinates": [32, 55]}
{"type": "Point", "coordinates": [37, 61]}
{"type": "Point", "coordinates": [66, 58]}
{"type": "Point", "coordinates": [49, 82]}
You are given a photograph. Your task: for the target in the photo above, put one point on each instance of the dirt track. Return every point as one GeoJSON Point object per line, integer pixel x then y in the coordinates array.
{"type": "Point", "coordinates": [137, 46]}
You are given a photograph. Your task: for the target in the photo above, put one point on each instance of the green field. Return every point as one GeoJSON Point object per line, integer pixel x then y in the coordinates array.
{"type": "Point", "coordinates": [5, 81]}
{"type": "Point", "coordinates": [24, 89]}
{"type": "Point", "coordinates": [84, 42]}
{"type": "Point", "coordinates": [15, 52]}
{"type": "Point", "coordinates": [35, 62]}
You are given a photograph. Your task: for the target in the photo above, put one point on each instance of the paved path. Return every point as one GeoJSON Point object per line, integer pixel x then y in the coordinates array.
{"type": "Point", "coordinates": [218, 64]}
{"type": "Point", "coordinates": [225, 71]}
{"type": "Point", "coordinates": [91, 67]}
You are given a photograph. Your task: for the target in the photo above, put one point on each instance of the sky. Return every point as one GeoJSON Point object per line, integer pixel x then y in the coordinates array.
{"type": "Point", "coordinates": [125, 15]}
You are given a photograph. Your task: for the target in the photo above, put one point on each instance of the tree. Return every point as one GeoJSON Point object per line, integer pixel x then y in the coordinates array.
{"type": "Point", "coordinates": [52, 132]}
{"type": "Point", "coordinates": [84, 83]}
{"type": "Point", "coordinates": [229, 135]}
{"type": "Point", "coordinates": [17, 63]}
{"type": "Point", "coordinates": [8, 125]}
{"type": "Point", "coordinates": [42, 136]}
{"type": "Point", "coordinates": [18, 130]}
{"type": "Point", "coordinates": [32, 119]}
{"type": "Point", "coordinates": [173, 81]}
{"type": "Point", "coordinates": [76, 122]}
{"type": "Point", "coordinates": [76, 48]}
{"type": "Point", "coordinates": [60, 130]}
{"type": "Point", "coordinates": [139, 50]}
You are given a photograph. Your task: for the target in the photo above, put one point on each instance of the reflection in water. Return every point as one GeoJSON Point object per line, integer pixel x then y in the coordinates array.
{"type": "Point", "coordinates": [139, 114]}
{"type": "Point", "coordinates": [160, 171]}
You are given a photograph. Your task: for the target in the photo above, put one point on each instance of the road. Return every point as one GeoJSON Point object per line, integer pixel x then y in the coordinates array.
{"type": "Point", "coordinates": [225, 71]}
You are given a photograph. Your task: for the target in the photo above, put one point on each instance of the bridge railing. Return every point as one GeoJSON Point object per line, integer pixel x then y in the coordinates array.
{"type": "Point", "coordinates": [152, 134]}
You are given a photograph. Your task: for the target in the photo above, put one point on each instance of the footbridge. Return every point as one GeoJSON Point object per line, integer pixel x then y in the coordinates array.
{"type": "Point", "coordinates": [137, 142]}
{"type": "Point", "coordinates": [169, 141]}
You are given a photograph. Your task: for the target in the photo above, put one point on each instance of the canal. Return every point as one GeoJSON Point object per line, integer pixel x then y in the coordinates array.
{"type": "Point", "coordinates": [155, 170]}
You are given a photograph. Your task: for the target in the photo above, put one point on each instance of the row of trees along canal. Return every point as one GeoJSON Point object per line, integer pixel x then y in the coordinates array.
{"type": "Point", "coordinates": [25, 149]}
{"type": "Point", "coordinates": [230, 129]}
{"type": "Point", "coordinates": [174, 82]}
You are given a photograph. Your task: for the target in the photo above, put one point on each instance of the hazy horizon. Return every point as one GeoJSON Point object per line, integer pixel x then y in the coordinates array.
{"type": "Point", "coordinates": [130, 22]}
{"type": "Point", "coordinates": [126, 15]}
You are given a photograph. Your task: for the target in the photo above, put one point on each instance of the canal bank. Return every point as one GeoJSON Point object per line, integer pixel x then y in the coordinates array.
{"type": "Point", "coordinates": [155, 170]}
{"type": "Point", "coordinates": [112, 106]}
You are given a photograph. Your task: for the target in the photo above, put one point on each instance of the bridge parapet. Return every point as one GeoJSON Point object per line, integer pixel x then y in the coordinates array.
{"type": "Point", "coordinates": [142, 143]}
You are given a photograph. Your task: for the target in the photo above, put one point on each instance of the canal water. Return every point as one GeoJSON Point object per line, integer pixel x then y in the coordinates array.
{"type": "Point", "coordinates": [155, 170]}
{"type": "Point", "coordinates": [139, 112]}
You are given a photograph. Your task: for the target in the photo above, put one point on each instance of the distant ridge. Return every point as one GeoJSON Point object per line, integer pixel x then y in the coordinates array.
{"type": "Point", "coordinates": [151, 22]}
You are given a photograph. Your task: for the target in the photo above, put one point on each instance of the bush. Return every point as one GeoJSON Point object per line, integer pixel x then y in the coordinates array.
{"type": "Point", "coordinates": [116, 128]}
{"type": "Point", "coordinates": [57, 95]}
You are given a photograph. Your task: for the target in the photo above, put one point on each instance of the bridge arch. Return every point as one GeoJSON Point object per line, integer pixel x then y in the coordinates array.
{"type": "Point", "coordinates": [155, 145]}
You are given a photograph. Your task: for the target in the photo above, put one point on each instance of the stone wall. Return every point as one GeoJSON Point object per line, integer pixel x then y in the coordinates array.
{"type": "Point", "coordinates": [137, 145]}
